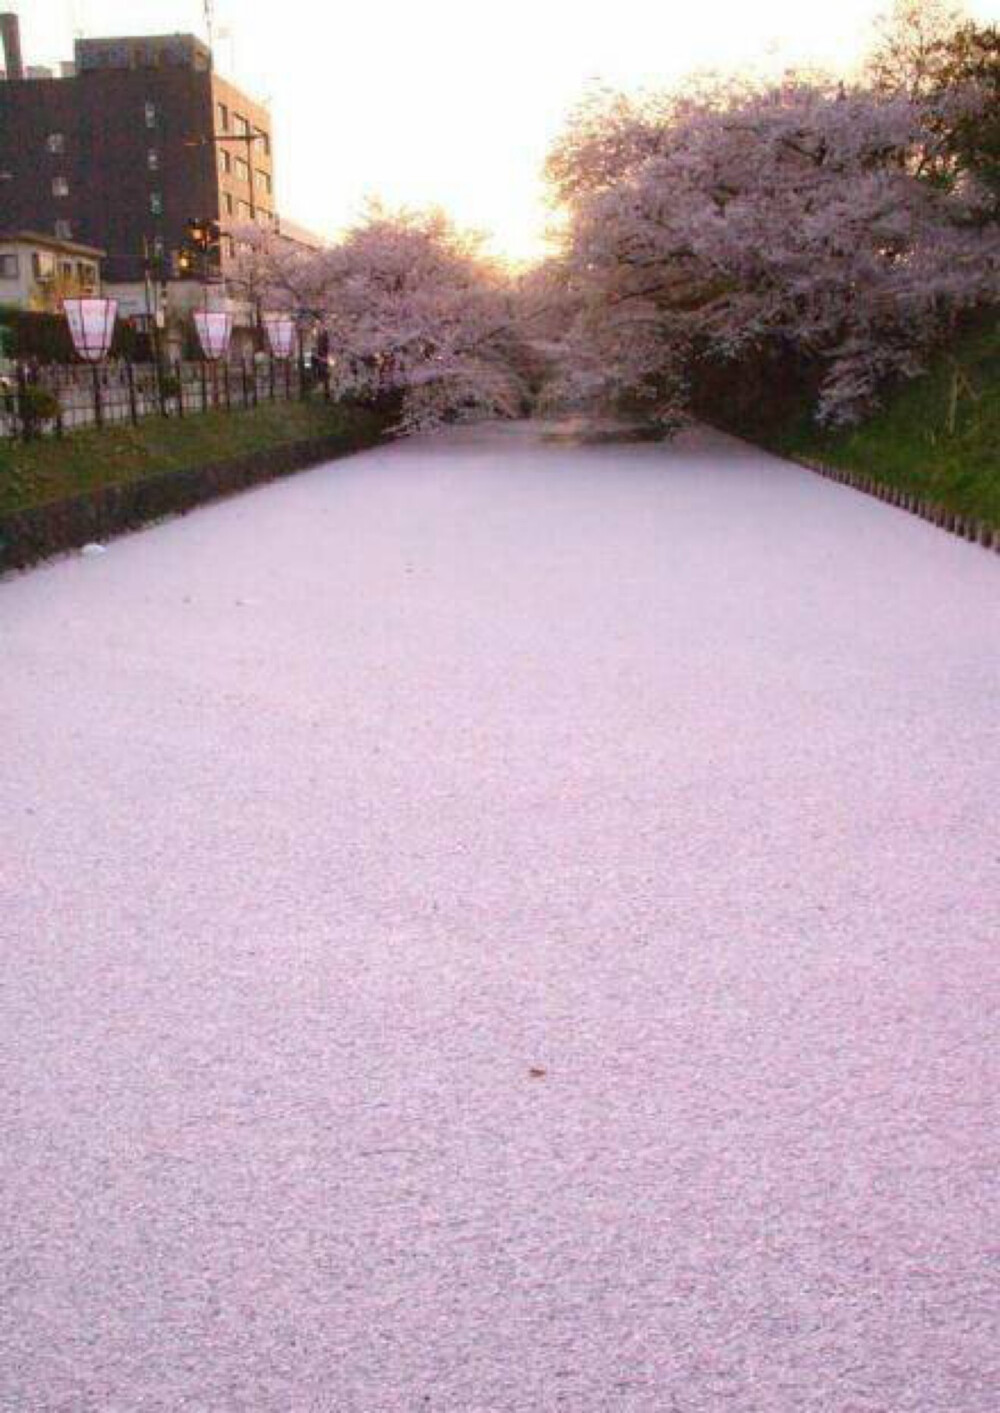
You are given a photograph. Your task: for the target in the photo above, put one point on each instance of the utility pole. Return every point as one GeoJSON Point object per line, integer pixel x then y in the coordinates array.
{"type": "Point", "coordinates": [247, 138]}
{"type": "Point", "coordinates": [153, 322]}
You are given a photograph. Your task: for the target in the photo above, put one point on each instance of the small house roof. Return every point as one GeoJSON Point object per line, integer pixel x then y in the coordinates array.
{"type": "Point", "coordinates": [64, 247]}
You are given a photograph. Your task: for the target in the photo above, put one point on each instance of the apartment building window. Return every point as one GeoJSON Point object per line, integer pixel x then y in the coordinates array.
{"type": "Point", "coordinates": [223, 112]}
{"type": "Point", "coordinates": [242, 170]}
{"type": "Point", "coordinates": [150, 112]}
{"type": "Point", "coordinates": [43, 264]}
{"type": "Point", "coordinates": [243, 210]}
{"type": "Point", "coordinates": [264, 182]}
{"type": "Point", "coordinates": [241, 125]}
{"type": "Point", "coordinates": [60, 186]}
{"type": "Point", "coordinates": [9, 267]}
{"type": "Point", "coordinates": [55, 142]}
{"type": "Point", "coordinates": [225, 160]}
{"type": "Point", "coordinates": [265, 143]}
{"type": "Point", "coordinates": [153, 160]}
{"type": "Point", "coordinates": [156, 203]}
{"type": "Point", "coordinates": [227, 202]}
{"type": "Point", "coordinates": [230, 246]}
{"type": "Point", "coordinates": [64, 230]}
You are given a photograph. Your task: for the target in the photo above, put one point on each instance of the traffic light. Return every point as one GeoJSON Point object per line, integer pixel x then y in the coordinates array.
{"type": "Point", "coordinates": [201, 252]}
{"type": "Point", "coordinates": [204, 235]}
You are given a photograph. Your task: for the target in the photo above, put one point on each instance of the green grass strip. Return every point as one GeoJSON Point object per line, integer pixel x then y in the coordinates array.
{"type": "Point", "coordinates": [38, 473]}
{"type": "Point", "coordinates": [937, 437]}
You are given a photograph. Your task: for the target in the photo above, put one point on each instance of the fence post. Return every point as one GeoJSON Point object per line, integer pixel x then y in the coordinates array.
{"type": "Point", "coordinates": [301, 360]}
{"type": "Point", "coordinates": [225, 386]}
{"type": "Point", "coordinates": [130, 375]}
{"type": "Point", "coordinates": [161, 398]}
{"type": "Point", "coordinates": [98, 408]}
{"type": "Point", "coordinates": [22, 401]}
{"type": "Point", "coordinates": [246, 383]}
{"type": "Point", "coordinates": [204, 386]}
{"type": "Point", "coordinates": [270, 371]}
{"type": "Point", "coordinates": [288, 380]}
{"type": "Point", "coordinates": [180, 388]}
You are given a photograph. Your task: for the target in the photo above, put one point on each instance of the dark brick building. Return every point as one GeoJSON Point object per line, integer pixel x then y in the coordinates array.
{"type": "Point", "coordinates": [121, 151]}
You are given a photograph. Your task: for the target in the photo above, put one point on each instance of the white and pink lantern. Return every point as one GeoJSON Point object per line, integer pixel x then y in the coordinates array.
{"type": "Point", "coordinates": [91, 326]}
{"type": "Point", "coordinates": [280, 330]}
{"type": "Point", "coordinates": [215, 329]}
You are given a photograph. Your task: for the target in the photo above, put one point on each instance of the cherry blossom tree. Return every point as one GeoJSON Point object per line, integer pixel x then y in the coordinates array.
{"type": "Point", "coordinates": [415, 312]}
{"type": "Point", "coordinates": [720, 223]}
{"type": "Point", "coordinates": [269, 267]}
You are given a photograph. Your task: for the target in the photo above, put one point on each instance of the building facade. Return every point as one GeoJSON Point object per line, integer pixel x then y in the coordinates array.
{"type": "Point", "coordinates": [38, 271]}
{"type": "Point", "coordinates": [139, 137]}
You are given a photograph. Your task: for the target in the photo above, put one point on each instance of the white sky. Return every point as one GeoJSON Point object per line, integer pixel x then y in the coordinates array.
{"type": "Point", "coordinates": [454, 102]}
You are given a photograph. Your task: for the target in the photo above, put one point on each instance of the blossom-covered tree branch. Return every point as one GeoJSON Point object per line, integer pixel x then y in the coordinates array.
{"type": "Point", "coordinates": [831, 222]}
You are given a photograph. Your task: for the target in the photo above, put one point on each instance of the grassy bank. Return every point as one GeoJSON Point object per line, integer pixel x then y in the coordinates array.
{"type": "Point", "coordinates": [52, 470]}
{"type": "Point", "coordinates": [938, 437]}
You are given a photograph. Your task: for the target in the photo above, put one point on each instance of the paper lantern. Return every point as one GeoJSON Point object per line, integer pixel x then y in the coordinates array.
{"type": "Point", "coordinates": [91, 326]}
{"type": "Point", "coordinates": [215, 329]}
{"type": "Point", "coordinates": [280, 330]}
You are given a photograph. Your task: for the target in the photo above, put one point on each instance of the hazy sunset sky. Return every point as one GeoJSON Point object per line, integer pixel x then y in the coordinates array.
{"type": "Point", "coordinates": [450, 102]}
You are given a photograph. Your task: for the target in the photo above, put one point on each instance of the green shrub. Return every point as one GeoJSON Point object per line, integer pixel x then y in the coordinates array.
{"type": "Point", "coordinates": [36, 406]}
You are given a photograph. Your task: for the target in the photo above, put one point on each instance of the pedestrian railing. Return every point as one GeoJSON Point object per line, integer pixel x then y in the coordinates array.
{"type": "Point", "coordinates": [121, 391]}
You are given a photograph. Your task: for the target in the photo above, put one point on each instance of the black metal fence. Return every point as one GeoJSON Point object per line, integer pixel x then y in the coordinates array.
{"type": "Point", "coordinates": [56, 398]}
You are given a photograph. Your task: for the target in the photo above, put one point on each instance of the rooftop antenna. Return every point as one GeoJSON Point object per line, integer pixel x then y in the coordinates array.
{"type": "Point", "coordinates": [210, 22]}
